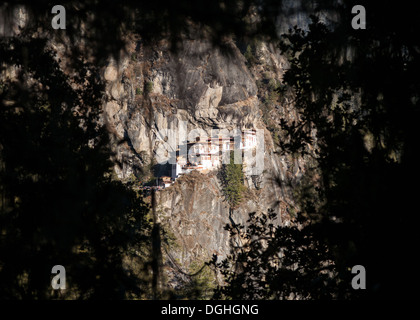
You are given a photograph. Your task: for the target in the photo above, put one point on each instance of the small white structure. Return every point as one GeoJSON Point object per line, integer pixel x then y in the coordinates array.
{"type": "Point", "coordinates": [207, 155]}
{"type": "Point", "coordinates": [177, 167]}
{"type": "Point", "coordinates": [249, 139]}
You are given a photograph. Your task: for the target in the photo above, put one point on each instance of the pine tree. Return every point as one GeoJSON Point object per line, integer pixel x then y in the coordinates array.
{"type": "Point", "coordinates": [233, 182]}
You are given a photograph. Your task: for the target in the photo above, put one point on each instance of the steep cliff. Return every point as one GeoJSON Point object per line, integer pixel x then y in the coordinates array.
{"type": "Point", "coordinates": [338, 131]}
{"type": "Point", "coordinates": [153, 90]}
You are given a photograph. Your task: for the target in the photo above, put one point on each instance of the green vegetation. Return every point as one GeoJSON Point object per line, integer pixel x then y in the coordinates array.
{"type": "Point", "coordinates": [148, 87]}
{"type": "Point", "coordinates": [250, 55]}
{"type": "Point", "coordinates": [138, 91]}
{"type": "Point", "coordinates": [232, 177]}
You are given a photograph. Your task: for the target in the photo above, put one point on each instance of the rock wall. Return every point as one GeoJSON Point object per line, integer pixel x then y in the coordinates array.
{"type": "Point", "coordinates": [153, 89]}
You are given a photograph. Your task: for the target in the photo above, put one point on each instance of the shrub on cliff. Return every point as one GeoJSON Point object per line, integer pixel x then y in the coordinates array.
{"type": "Point", "coordinates": [148, 87]}
{"type": "Point", "coordinates": [232, 177]}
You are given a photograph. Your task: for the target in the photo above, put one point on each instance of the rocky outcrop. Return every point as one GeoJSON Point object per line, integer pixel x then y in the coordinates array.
{"type": "Point", "coordinates": [153, 91]}
{"type": "Point", "coordinates": [195, 210]}
{"type": "Point", "coordinates": [200, 84]}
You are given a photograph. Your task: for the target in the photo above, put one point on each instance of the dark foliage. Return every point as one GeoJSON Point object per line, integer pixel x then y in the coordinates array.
{"type": "Point", "coordinates": [364, 110]}
{"type": "Point", "coordinates": [60, 205]}
{"type": "Point", "coordinates": [273, 262]}
{"type": "Point", "coordinates": [358, 92]}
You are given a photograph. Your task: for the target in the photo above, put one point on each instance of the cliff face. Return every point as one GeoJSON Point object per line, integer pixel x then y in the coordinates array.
{"type": "Point", "coordinates": [199, 85]}
{"type": "Point", "coordinates": [153, 90]}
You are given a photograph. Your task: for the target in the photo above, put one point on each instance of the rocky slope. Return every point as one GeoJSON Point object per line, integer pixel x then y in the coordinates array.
{"type": "Point", "coordinates": [153, 89]}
